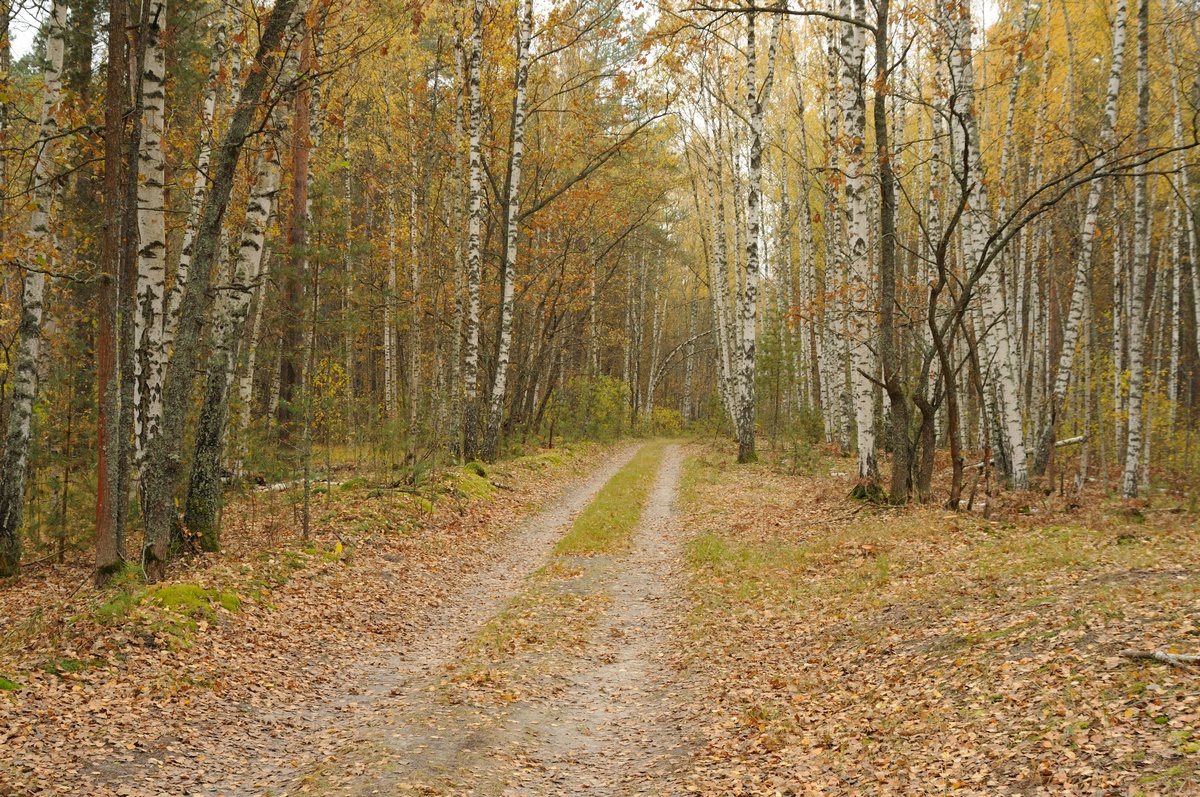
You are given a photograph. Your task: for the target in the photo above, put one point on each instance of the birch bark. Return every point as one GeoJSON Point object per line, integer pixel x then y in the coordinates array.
{"type": "Point", "coordinates": [164, 460]}
{"type": "Point", "coordinates": [863, 364]}
{"type": "Point", "coordinates": [200, 180]}
{"type": "Point", "coordinates": [1087, 238]}
{"type": "Point", "coordinates": [470, 397]}
{"type": "Point", "coordinates": [14, 467]}
{"type": "Point", "coordinates": [150, 357]}
{"type": "Point", "coordinates": [508, 278]}
{"type": "Point", "coordinates": [1141, 260]}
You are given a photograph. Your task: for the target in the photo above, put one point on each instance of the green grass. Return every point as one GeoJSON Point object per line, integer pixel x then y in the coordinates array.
{"type": "Point", "coordinates": [607, 524]}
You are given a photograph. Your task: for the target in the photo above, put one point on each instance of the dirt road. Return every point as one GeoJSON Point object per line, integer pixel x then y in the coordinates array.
{"type": "Point", "coordinates": [607, 721]}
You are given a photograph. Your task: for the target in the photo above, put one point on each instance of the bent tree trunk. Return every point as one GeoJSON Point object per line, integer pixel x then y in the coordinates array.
{"type": "Point", "coordinates": [203, 504]}
{"type": "Point", "coordinates": [164, 460]}
{"type": "Point", "coordinates": [15, 465]}
{"type": "Point", "coordinates": [1087, 238]}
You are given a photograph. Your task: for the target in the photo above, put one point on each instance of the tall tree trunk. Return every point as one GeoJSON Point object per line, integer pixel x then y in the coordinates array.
{"type": "Point", "coordinates": [863, 365]}
{"type": "Point", "coordinates": [756, 101]}
{"type": "Point", "coordinates": [509, 274]}
{"type": "Point", "coordinates": [202, 506]}
{"type": "Point", "coordinates": [456, 386]}
{"type": "Point", "coordinates": [110, 548]}
{"type": "Point", "coordinates": [1087, 237]}
{"type": "Point", "coordinates": [150, 356]}
{"type": "Point", "coordinates": [1141, 259]}
{"type": "Point", "coordinates": [14, 467]}
{"type": "Point", "coordinates": [902, 447]}
{"type": "Point", "coordinates": [470, 394]}
{"type": "Point", "coordinates": [164, 461]}
{"type": "Point", "coordinates": [200, 179]}
{"type": "Point", "coordinates": [975, 241]}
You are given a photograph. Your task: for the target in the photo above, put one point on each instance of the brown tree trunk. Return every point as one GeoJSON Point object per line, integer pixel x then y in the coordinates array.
{"type": "Point", "coordinates": [109, 544]}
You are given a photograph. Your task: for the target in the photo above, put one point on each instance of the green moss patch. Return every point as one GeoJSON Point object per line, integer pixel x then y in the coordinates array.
{"type": "Point", "coordinates": [470, 484]}
{"type": "Point", "coordinates": [7, 685]}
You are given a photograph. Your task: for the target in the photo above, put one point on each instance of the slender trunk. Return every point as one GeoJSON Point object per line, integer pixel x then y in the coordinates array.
{"type": "Point", "coordinates": [110, 551]}
{"type": "Point", "coordinates": [202, 505]}
{"type": "Point", "coordinates": [1141, 259]}
{"type": "Point", "coordinates": [14, 467]}
{"type": "Point", "coordinates": [200, 179]}
{"type": "Point", "coordinates": [863, 365]}
{"type": "Point", "coordinates": [1087, 237]}
{"type": "Point", "coordinates": [456, 386]}
{"type": "Point", "coordinates": [756, 101]}
{"type": "Point", "coordinates": [246, 381]}
{"type": "Point", "coordinates": [508, 277]}
{"type": "Point", "coordinates": [470, 395]}
{"type": "Point", "coordinates": [902, 448]}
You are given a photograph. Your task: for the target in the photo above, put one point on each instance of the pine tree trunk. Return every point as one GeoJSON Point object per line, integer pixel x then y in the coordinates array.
{"type": "Point", "coordinates": [110, 543]}
{"type": "Point", "coordinates": [14, 467]}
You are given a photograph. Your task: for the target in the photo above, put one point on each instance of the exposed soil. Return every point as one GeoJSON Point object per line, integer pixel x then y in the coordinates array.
{"type": "Point", "coordinates": [601, 718]}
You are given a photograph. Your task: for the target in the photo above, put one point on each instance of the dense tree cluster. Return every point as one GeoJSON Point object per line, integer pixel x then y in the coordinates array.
{"type": "Point", "coordinates": [241, 237]}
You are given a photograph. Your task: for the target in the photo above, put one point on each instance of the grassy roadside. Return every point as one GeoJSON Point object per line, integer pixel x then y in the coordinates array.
{"type": "Point", "coordinates": [859, 649]}
{"type": "Point", "coordinates": [526, 646]}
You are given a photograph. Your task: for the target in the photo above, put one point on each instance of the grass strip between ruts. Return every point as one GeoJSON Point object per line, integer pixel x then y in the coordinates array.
{"type": "Point", "coordinates": [607, 523]}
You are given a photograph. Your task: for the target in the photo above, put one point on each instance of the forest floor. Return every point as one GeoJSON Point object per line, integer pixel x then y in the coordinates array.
{"type": "Point", "coordinates": [648, 619]}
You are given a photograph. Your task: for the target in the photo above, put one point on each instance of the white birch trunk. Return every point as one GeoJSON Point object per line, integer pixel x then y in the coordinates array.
{"type": "Point", "coordinates": [1087, 237]}
{"type": "Point", "coordinates": [14, 467]}
{"type": "Point", "coordinates": [1141, 260]}
{"type": "Point", "coordinates": [863, 364]}
{"type": "Point", "coordinates": [1003, 373]}
{"type": "Point", "coordinates": [208, 108]}
{"type": "Point", "coordinates": [470, 396]}
{"type": "Point", "coordinates": [456, 414]}
{"type": "Point", "coordinates": [500, 384]}
{"type": "Point", "coordinates": [150, 358]}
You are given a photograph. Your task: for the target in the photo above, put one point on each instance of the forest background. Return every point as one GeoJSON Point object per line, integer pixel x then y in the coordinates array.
{"type": "Point", "coordinates": [252, 245]}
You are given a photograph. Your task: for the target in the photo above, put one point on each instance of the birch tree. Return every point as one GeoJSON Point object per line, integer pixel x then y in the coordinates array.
{"type": "Point", "coordinates": [756, 102]}
{"type": "Point", "coordinates": [1087, 237]}
{"type": "Point", "coordinates": [150, 357]}
{"type": "Point", "coordinates": [1141, 260]}
{"type": "Point", "coordinates": [509, 272]}
{"type": "Point", "coordinates": [863, 364]}
{"type": "Point", "coordinates": [470, 395]}
{"type": "Point", "coordinates": [164, 460]}
{"type": "Point", "coordinates": [14, 466]}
